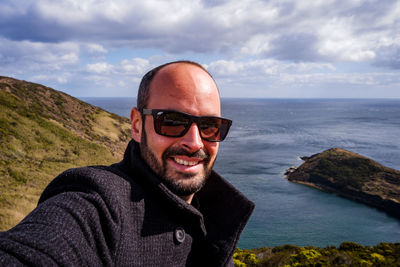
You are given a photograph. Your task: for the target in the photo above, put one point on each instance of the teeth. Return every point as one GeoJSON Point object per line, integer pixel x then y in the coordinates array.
{"type": "Point", "coordinates": [184, 162]}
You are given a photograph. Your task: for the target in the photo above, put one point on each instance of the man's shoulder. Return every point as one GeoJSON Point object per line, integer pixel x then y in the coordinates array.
{"type": "Point", "coordinates": [101, 180]}
{"type": "Point", "coordinates": [97, 173]}
{"type": "Point", "coordinates": [92, 175]}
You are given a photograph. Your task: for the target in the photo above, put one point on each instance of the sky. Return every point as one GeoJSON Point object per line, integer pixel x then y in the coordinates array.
{"type": "Point", "coordinates": [253, 48]}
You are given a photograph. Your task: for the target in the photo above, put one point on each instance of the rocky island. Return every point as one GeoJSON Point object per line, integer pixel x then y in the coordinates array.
{"type": "Point", "coordinates": [352, 176]}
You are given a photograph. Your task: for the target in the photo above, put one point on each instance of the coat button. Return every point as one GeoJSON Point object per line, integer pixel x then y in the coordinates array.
{"type": "Point", "coordinates": [179, 235]}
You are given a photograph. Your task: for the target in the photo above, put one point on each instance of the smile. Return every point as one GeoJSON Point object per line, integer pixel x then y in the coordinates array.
{"type": "Point", "coordinates": [185, 162]}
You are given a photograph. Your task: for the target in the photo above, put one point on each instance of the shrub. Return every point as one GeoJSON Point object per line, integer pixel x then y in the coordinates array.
{"type": "Point", "coordinates": [238, 263]}
{"type": "Point", "coordinates": [246, 257]}
{"type": "Point", "coordinates": [286, 248]}
{"type": "Point", "coordinates": [306, 255]}
{"type": "Point", "coordinates": [378, 257]}
{"type": "Point", "coordinates": [350, 246]}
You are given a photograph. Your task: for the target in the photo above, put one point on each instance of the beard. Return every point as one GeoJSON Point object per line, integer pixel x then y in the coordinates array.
{"type": "Point", "coordinates": [181, 184]}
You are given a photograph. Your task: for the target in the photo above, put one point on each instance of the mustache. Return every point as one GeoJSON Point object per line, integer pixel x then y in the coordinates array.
{"type": "Point", "coordinates": [201, 153]}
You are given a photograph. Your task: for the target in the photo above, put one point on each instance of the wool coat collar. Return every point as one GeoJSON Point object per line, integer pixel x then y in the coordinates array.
{"type": "Point", "coordinates": [218, 212]}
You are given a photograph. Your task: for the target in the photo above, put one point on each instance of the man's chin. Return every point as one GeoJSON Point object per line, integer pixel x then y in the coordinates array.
{"type": "Point", "coordinates": [185, 184]}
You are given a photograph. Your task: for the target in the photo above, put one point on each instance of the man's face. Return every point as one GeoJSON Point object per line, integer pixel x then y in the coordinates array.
{"type": "Point", "coordinates": [183, 163]}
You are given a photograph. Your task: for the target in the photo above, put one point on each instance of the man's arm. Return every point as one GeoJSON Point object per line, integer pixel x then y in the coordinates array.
{"type": "Point", "coordinates": [75, 228]}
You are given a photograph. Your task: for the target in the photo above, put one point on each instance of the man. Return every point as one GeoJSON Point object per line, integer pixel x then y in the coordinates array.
{"type": "Point", "coordinates": [163, 205]}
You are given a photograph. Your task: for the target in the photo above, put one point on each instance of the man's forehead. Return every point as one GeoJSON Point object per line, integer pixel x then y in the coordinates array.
{"type": "Point", "coordinates": [183, 77]}
{"type": "Point", "coordinates": [177, 70]}
{"type": "Point", "coordinates": [186, 88]}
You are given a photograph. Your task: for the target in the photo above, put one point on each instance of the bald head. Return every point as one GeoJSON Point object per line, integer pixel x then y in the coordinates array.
{"type": "Point", "coordinates": [186, 87]}
{"type": "Point", "coordinates": [144, 88]}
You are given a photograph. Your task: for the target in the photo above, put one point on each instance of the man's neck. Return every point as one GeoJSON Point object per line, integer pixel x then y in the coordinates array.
{"type": "Point", "coordinates": [188, 199]}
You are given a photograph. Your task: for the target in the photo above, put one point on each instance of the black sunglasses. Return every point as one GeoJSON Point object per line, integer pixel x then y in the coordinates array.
{"type": "Point", "coordinates": [176, 124]}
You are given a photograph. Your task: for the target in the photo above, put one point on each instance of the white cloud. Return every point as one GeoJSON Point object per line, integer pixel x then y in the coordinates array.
{"type": "Point", "coordinates": [17, 56]}
{"type": "Point", "coordinates": [257, 45]}
{"type": "Point", "coordinates": [275, 42]}
{"type": "Point", "coordinates": [96, 49]}
{"type": "Point", "coordinates": [99, 68]}
{"type": "Point", "coordinates": [59, 78]}
{"type": "Point", "coordinates": [338, 41]}
{"type": "Point", "coordinates": [290, 30]}
{"type": "Point", "coordinates": [135, 66]}
{"type": "Point", "coordinates": [62, 80]}
{"type": "Point", "coordinates": [264, 67]}
{"type": "Point", "coordinates": [272, 78]}
{"type": "Point", "coordinates": [69, 58]}
{"type": "Point", "coordinates": [131, 67]}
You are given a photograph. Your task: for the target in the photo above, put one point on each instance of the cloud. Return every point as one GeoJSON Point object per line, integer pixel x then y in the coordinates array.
{"type": "Point", "coordinates": [112, 43]}
{"type": "Point", "coordinates": [263, 67]}
{"type": "Point", "coordinates": [96, 49]}
{"type": "Point", "coordinates": [100, 68]}
{"type": "Point", "coordinates": [133, 67]}
{"type": "Point", "coordinates": [389, 54]}
{"type": "Point", "coordinates": [59, 78]}
{"type": "Point", "coordinates": [274, 78]}
{"type": "Point", "coordinates": [285, 30]}
{"type": "Point", "coordinates": [338, 41]}
{"type": "Point", "coordinates": [122, 77]}
{"type": "Point", "coordinates": [18, 56]}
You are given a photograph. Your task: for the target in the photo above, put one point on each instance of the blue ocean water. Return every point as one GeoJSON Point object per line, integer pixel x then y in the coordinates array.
{"type": "Point", "coordinates": [270, 135]}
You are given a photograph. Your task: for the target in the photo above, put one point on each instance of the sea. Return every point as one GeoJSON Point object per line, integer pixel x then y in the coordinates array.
{"type": "Point", "coordinates": [270, 135]}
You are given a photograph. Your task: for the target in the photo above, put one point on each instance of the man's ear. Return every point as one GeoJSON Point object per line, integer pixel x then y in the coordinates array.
{"type": "Point", "coordinates": [136, 124]}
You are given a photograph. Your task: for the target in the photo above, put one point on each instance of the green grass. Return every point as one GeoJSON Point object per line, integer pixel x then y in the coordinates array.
{"type": "Point", "coordinates": [347, 172]}
{"type": "Point", "coordinates": [35, 146]}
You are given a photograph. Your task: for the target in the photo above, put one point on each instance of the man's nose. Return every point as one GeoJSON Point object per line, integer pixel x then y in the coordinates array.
{"type": "Point", "coordinates": [192, 140]}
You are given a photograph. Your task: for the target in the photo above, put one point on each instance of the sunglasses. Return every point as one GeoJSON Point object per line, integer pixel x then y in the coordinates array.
{"type": "Point", "coordinates": [176, 124]}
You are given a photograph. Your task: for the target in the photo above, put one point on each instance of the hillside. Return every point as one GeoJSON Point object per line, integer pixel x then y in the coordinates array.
{"type": "Point", "coordinates": [42, 133]}
{"type": "Point", "coordinates": [353, 176]}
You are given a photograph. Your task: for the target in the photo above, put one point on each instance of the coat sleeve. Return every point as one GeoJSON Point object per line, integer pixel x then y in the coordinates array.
{"type": "Point", "coordinates": [76, 227]}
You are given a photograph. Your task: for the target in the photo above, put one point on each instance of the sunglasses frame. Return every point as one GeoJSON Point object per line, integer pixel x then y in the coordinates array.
{"type": "Point", "coordinates": [158, 112]}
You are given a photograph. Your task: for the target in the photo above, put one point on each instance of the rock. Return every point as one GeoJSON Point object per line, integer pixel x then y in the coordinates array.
{"type": "Point", "coordinates": [290, 170]}
{"type": "Point", "coordinates": [352, 176]}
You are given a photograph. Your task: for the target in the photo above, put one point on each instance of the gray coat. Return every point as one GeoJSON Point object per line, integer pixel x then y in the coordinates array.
{"type": "Point", "coordinates": [122, 215]}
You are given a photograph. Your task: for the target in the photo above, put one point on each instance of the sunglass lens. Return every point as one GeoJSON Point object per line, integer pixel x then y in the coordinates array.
{"type": "Point", "coordinates": [172, 123]}
{"type": "Point", "coordinates": [213, 129]}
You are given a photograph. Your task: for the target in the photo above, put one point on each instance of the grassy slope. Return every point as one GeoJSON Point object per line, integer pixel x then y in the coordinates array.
{"type": "Point", "coordinates": [43, 132]}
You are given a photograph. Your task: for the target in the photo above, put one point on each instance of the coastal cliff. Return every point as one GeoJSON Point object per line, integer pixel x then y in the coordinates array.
{"type": "Point", "coordinates": [352, 176]}
{"type": "Point", "coordinates": [44, 132]}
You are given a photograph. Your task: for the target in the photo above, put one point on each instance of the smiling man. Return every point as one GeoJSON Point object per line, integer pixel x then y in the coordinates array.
{"type": "Point", "coordinates": [182, 159]}
{"type": "Point", "coordinates": [162, 205]}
